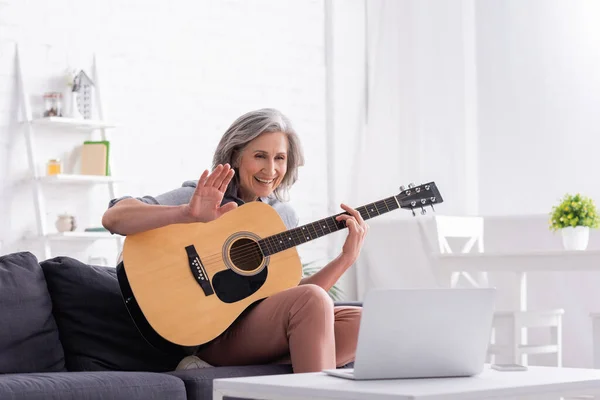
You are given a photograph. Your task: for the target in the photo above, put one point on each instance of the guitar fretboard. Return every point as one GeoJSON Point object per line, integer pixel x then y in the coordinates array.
{"type": "Point", "coordinates": [305, 233]}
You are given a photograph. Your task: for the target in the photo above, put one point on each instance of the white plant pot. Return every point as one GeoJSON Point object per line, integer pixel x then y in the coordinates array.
{"type": "Point", "coordinates": [575, 238]}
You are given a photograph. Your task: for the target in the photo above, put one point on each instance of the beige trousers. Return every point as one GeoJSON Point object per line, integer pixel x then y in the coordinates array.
{"type": "Point", "coordinates": [299, 325]}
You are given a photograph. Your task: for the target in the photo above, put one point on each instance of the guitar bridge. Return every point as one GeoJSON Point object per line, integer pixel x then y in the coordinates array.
{"type": "Point", "coordinates": [198, 271]}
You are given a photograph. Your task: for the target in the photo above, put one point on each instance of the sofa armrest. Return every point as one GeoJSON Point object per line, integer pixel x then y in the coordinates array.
{"type": "Point", "coordinates": [348, 303]}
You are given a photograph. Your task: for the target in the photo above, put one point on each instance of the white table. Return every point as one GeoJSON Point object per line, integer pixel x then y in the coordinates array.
{"type": "Point", "coordinates": [521, 263]}
{"type": "Point", "coordinates": [554, 260]}
{"type": "Point", "coordinates": [536, 383]}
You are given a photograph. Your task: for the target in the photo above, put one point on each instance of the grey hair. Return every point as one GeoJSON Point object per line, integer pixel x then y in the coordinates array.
{"type": "Point", "coordinates": [247, 128]}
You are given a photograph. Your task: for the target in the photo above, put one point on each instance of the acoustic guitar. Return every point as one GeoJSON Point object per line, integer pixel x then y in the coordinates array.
{"type": "Point", "coordinates": [185, 284]}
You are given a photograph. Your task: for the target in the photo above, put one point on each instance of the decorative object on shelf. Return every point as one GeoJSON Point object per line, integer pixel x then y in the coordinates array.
{"type": "Point", "coordinates": [69, 95]}
{"type": "Point", "coordinates": [96, 229]}
{"type": "Point", "coordinates": [574, 216]}
{"type": "Point", "coordinates": [65, 223]}
{"type": "Point", "coordinates": [54, 167]}
{"type": "Point", "coordinates": [94, 158]}
{"type": "Point", "coordinates": [83, 100]}
{"type": "Point", "coordinates": [53, 104]}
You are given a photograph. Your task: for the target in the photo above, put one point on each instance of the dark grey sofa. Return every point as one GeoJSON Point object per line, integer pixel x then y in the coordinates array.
{"type": "Point", "coordinates": [65, 334]}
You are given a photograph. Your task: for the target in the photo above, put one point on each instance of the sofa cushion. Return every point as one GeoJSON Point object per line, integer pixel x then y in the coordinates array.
{"type": "Point", "coordinates": [95, 328]}
{"type": "Point", "coordinates": [91, 386]}
{"type": "Point", "coordinates": [29, 340]}
{"type": "Point", "coordinates": [199, 382]}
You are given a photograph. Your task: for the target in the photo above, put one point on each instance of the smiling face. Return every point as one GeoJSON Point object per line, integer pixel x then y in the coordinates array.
{"type": "Point", "coordinates": [263, 165]}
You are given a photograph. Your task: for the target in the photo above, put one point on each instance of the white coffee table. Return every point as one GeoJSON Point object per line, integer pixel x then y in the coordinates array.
{"type": "Point", "coordinates": [536, 383]}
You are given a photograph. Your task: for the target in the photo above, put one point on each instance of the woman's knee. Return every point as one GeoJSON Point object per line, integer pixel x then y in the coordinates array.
{"type": "Point", "coordinates": [316, 293]}
{"type": "Point", "coordinates": [313, 297]}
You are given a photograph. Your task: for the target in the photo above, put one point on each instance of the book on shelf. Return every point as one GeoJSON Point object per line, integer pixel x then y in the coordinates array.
{"type": "Point", "coordinates": [95, 156]}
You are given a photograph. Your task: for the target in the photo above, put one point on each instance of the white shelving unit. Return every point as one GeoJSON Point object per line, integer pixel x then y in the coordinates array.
{"type": "Point", "coordinates": [78, 236]}
{"type": "Point", "coordinates": [77, 126]}
{"type": "Point", "coordinates": [70, 123]}
{"type": "Point", "coordinates": [77, 179]}
{"type": "Point", "coordinates": [72, 236]}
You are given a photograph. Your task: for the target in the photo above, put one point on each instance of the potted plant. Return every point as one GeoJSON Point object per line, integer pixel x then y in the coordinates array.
{"type": "Point", "coordinates": [308, 269]}
{"type": "Point", "coordinates": [574, 216]}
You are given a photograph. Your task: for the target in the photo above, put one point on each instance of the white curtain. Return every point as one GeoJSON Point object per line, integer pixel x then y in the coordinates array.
{"type": "Point", "coordinates": [411, 124]}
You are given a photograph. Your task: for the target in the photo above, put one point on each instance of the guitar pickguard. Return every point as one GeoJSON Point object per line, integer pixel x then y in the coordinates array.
{"type": "Point", "coordinates": [231, 287]}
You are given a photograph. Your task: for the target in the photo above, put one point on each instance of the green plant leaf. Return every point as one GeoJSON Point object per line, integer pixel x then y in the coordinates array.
{"type": "Point", "coordinates": [574, 210]}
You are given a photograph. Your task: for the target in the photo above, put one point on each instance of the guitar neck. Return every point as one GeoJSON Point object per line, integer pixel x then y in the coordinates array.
{"type": "Point", "coordinates": [305, 233]}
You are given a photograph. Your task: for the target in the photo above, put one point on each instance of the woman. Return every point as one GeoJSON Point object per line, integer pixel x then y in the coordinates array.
{"type": "Point", "coordinates": [257, 159]}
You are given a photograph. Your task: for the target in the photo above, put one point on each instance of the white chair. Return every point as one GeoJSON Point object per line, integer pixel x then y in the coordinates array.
{"type": "Point", "coordinates": [595, 317]}
{"type": "Point", "coordinates": [470, 228]}
{"type": "Point", "coordinates": [512, 346]}
{"type": "Point", "coordinates": [515, 348]}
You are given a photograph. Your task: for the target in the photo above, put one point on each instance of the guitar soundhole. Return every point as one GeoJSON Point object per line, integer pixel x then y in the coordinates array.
{"type": "Point", "coordinates": [245, 254]}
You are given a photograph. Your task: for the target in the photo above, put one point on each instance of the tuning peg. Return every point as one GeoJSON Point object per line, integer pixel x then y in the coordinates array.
{"type": "Point", "coordinates": [423, 212]}
{"type": "Point", "coordinates": [433, 209]}
{"type": "Point", "coordinates": [411, 185]}
{"type": "Point", "coordinates": [413, 211]}
{"type": "Point", "coordinates": [402, 188]}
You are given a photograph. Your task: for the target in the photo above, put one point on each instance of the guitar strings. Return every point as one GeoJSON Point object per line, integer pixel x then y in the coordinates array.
{"type": "Point", "coordinates": [279, 262]}
{"type": "Point", "coordinates": [248, 250]}
{"type": "Point", "coordinates": [207, 264]}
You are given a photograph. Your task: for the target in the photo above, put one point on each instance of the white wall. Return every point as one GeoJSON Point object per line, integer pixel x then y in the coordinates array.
{"type": "Point", "coordinates": [174, 76]}
{"type": "Point", "coordinates": [539, 93]}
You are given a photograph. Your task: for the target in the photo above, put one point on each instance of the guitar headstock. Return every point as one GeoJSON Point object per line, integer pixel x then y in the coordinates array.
{"type": "Point", "coordinates": [415, 197]}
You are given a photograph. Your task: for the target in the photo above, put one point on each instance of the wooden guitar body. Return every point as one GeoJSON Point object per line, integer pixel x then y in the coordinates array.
{"type": "Point", "coordinates": [191, 281]}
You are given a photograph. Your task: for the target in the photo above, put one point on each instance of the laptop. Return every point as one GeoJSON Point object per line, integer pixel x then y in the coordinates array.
{"type": "Point", "coordinates": [422, 333]}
